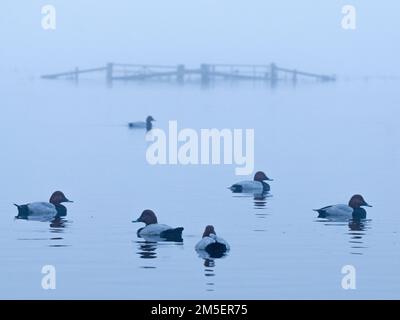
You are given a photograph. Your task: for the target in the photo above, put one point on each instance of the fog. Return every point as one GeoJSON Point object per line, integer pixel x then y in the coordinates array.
{"type": "Point", "coordinates": [321, 142]}
{"type": "Point", "coordinates": [299, 34]}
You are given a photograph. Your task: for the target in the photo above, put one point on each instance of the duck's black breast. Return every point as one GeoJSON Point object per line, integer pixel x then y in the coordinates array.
{"type": "Point", "coordinates": [61, 210]}
{"type": "Point", "coordinates": [266, 186]}
{"type": "Point", "coordinates": [359, 213]}
{"type": "Point", "coordinates": [138, 232]}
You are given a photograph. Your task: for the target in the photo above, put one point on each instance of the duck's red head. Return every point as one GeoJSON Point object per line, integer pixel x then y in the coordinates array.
{"type": "Point", "coordinates": [148, 217]}
{"type": "Point", "coordinates": [150, 119]}
{"type": "Point", "coordinates": [209, 230]}
{"type": "Point", "coordinates": [358, 201]}
{"type": "Point", "coordinates": [261, 176]}
{"type": "Point", "coordinates": [58, 197]}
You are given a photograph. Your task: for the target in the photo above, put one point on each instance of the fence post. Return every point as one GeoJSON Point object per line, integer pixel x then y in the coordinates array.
{"type": "Point", "coordinates": [180, 73]}
{"type": "Point", "coordinates": [294, 76]}
{"type": "Point", "coordinates": [109, 72]}
{"type": "Point", "coordinates": [274, 73]}
{"type": "Point", "coordinates": [205, 73]}
{"type": "Point", "coordinates": [76, 74]}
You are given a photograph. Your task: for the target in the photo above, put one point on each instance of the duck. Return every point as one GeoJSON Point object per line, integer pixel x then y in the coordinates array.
{"type": "Point", "coordinates": [53, 208]}
{"type": "Point", "coordinates": [352, 209]}
{"type": "Point", "coordinates": [212, 244]}
{"type": "Point", "coordinates": [258, 185]}
{"type": "Point", "coordinates": [153, 229]}
{"type": "Point", "coordinates": [148, 124]}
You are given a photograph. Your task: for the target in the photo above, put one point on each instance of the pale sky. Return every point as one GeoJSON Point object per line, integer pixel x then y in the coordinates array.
{"type": "Point", "coordinates": [303, 34]}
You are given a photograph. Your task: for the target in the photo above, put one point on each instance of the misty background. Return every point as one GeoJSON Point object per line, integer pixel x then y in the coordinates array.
{"type": "Point", "coordinates": [320, 142]}
{"type": "Point", "coordinates": [306, 35]}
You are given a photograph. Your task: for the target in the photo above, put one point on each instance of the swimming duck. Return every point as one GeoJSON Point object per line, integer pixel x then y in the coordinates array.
{"type": "Point", "coordinates": [53, 208]}
{"type": "Point", "coordinates": [153, 228]}
{"type": "Point", "coordinates": [141, 124]}
{"type": "Point", "coordinates": [340, 210]}
{"type": "Point", "coordinates": [212, 244]}
{"type": "Point", "coordinates": [256, 186]}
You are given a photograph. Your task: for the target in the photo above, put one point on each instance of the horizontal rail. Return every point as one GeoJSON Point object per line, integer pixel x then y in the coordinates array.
{"type": "Point", "coordinates": [238, 76]}
{"type": "Point", "coordinates": [241, 65]}
{"type": "Point", "coordinates": [71, 73]}
{"type": "Point", "coordinates": [125, 71]}
{"type": "Point", "coordinates": [302, 73]}
{"type": "Point", "coordinates": [141, 76]}
{"type": "Point", "coordinates": [144, 66]}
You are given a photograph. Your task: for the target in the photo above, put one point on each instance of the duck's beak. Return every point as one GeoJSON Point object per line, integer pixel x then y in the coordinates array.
{"type": "Point", "coordinates": [367, 205]}
{"type": "Point", "coordinates": [69, 201]}
{"type": "Point", "coordinates": [137, 220]}
{"type": "Point", "coordinates": [268, 179]}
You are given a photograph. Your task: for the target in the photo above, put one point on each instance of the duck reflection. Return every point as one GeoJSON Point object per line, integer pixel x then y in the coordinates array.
{"type": "Point", "coordinates": [209, 268]}
{"type": "Point", "coordinates": [334, 221]}
{"type": "Point", "coordinates": [260, 200]}
{"type": "Point", "coordinates": [58, 224]}
{"type": "Point", "coordinates": [57, 227]}
{"type": "Point", "coordinates": [357, 232]}
{"type": "Point", "coordinates": [209, 265]}
{"type": "Point", "coordinates": [55, 222]}
{"type": "Point", "coordinates": [357, 225]}
{"type": "Point", "coordinates": [147, 249]}
{"type": "Point", "coordinates": [260, 204]}
{"type": "Point", "coordinates": [210, 248]}
{"type": "Point", "coordinates": [148, 246]}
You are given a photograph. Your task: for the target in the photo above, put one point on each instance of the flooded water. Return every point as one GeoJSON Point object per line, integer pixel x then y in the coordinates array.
{"type": "Point", "coordinates": [321, 143]}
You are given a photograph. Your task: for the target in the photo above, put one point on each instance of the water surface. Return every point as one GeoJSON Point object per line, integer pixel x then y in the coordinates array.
{"type": "Point", "coordinates": [320, 142]}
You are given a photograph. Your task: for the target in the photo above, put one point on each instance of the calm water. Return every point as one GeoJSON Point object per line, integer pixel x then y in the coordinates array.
{"type": "Point", "coordinates": [320, 142]}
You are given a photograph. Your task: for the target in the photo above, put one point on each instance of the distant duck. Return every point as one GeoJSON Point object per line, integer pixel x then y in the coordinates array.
{"type": "Point", "coordinates": [215, 246]}
{"type": "Point", "coordinates": [53, 208]}
{"type": "Point", "coordinates": [154, 229]}
{"type": "Point", "coordinates": [141, 124]}
{"type": "Point", "coordinates": [353, 209]}
{"type": "Point", "coordinates": [258, 185]}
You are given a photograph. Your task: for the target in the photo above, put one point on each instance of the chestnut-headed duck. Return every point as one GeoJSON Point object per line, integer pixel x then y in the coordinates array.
{"type": "Point", "coordinates": [53, 208]}
{"type": "Point", "coordinates": [353, 209]}
{"type": "Point", "coordinates": [148, 124]}
{"type": "Point", "coordinates": [212, 244]}
{"type": "Point", "coordinates": [153, 228]}
{"type": "Point", "coordinates": [258, 185]}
